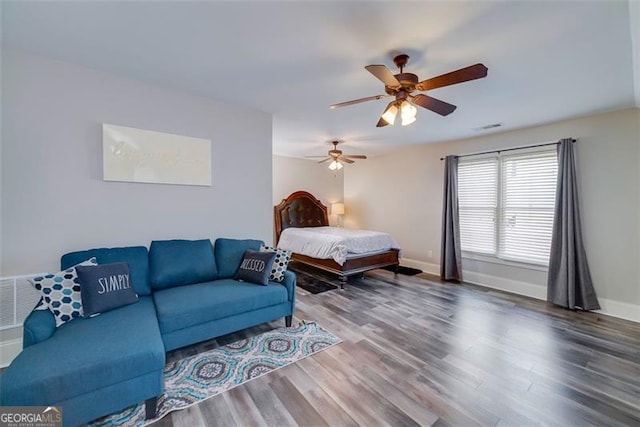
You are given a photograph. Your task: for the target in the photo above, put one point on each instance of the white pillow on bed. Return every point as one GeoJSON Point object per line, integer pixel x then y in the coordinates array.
{"type": "Point", "coordinates": [280, 262]}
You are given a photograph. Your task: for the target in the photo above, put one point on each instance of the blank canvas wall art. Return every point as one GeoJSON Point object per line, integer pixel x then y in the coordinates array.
{"type": "Point", "coordinates": [137, 155]}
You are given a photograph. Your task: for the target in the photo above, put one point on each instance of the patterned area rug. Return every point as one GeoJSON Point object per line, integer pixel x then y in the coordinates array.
{"type": "Point", "coordinates": [196, 378]}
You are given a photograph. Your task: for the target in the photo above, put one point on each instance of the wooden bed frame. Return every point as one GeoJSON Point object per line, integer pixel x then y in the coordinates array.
{"type": "Point", "coordinates": [302, 209]}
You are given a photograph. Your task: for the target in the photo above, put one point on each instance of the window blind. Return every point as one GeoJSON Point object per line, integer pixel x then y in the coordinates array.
{"type": "Point", "coordinates": [526, 214]}
{"type": "Point", "coordinates": [506, 205]}
{"type": "Point", "coordinates": [477, 204]}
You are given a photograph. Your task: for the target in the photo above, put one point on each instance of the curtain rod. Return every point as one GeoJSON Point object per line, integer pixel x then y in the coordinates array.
{"type": "Point", "coordinates": [510, 149]}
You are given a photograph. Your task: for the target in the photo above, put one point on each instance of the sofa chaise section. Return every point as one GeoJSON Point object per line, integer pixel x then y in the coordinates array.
{"type": "Point", "coordinates": [91, 367]}
{"type": "Point", "coordinates": [94, 366]}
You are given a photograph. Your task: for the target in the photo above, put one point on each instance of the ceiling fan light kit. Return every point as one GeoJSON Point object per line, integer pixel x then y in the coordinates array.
{"type": "Point", "coordinates": [338, 158]}
{"type": "Point", "coordinates": [405, 108]}
{"type": "Point", "coordinates": [402, 85]}
{"type": "Point", "coordinates": [335, 165]}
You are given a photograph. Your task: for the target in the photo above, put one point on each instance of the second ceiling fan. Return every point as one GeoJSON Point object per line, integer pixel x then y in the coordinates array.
{"type": "Point", "coordinates": [337, 157]}
{"type": "Point", "coordinates": [402, 85]}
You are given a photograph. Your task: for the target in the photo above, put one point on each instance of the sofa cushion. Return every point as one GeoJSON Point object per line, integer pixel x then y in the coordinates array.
{"type": "Point", "coordinates": [185, 306]}
{"type": "Point", "coordinates": [136, 256]}
{"type": "Point", "coordinates": [181, 262]}
{"type": "Point", "coordinates": [229, 253]}
{"type": "Point", "coordinates": [85, 355]}
{"type": "Point", "coordinates": [105, 287]}
{"type": "Point", "coordinates": [61, 292]}
{"type": "Point", "coordinates": [255, 267]}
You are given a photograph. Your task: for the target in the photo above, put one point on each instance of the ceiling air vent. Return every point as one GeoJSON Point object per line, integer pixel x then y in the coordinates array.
{"type": "Point", "coordinates": [491, 126]}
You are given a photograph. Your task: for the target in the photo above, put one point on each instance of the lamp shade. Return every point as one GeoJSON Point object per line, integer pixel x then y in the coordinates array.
{"type": "Point", "coordinates": [337, 208]}
{"type": "Point", "coordinates": [407, 113]}
{"type": "Point", "coordinates": [389, 115]}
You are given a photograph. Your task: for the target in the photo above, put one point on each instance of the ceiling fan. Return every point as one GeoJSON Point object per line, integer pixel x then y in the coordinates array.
{"type": "Point", "coordinates": [337, 157]}
{"type": "Point", "coordinates": [402, 85]}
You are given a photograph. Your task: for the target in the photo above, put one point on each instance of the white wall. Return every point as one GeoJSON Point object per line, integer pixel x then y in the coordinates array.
{"type": "Point", "coordinates": [1, 139]}
{"type": "Point", "coordinates": [53, 197]}
{"type": "Point", "coordinates": [290, 174]}
{"type": "Point", "coordinates": [634, 17]}
{"type": "Point", "coordinates": [401, 193]}
{"type": "Point", "coordinates": [1, 143]}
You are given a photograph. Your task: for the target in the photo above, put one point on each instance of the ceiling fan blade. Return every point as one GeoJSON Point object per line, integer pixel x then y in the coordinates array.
{"type": "Point", "coordinates": [357, 101]}
{"type": "Point", "coordinates": [471, 72]}
{"type": "Point", "coordinates": [384, 75]}
{"type": "Point", "coordinates": [314, 157]}
{"type": "Point", "coordinates": [355, 156]}
{"type": "Point", "coordinates": [344, 159]}
{"type": "Point", "coordinates": [324, 160]}
{"type": "Point", "coordinates": [433, 104]}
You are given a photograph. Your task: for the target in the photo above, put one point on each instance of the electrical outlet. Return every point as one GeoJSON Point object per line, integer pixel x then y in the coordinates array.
{"type": "Point", "coordinates": [430, 254]}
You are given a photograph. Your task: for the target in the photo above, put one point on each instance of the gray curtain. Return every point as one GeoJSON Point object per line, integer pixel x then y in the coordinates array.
{"type": "Point", "coordinates": [451, 254]}
{"type": "Point", "coordinates": [569, 280]}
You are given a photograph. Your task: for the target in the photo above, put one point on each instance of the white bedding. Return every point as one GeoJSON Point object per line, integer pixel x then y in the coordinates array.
{"type": "Point", "coordinates": [333, 242]}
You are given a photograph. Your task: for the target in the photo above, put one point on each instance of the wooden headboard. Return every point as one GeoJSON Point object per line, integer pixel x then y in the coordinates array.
{"type": "Point", "coordinates": [299, 209]}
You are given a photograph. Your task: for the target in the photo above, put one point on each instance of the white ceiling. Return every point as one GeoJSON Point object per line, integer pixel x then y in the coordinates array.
{"type": "Point", "coordinates": [547, 60]}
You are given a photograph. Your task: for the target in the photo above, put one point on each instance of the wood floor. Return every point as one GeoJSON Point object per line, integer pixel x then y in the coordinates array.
{"type": "Point", "coordinates": [420, 352]}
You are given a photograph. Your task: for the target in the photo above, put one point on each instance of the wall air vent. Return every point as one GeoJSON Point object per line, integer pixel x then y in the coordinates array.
{"type": "Point", "coordinates": [17, 299]}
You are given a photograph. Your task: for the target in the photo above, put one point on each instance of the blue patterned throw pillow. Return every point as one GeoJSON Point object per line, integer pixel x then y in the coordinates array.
{"type": "Point", "coordinates": [280, 263]}
{"type": "Point", "coordinates": [42, 305]}
{"type": "Point", "coordinates": [61, 293]}
{"type": "Point", "coordinates": [255, 267]}
{"type": "Point", "coordinates": [105, 287]}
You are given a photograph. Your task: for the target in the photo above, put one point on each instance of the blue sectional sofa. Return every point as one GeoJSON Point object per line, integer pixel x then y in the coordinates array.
{"type": "Point", "coordinates": [95, 366]}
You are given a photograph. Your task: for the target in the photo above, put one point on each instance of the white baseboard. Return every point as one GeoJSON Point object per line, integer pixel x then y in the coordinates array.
{"type": "Point", "coordinates": [9, 350]}
{"type": "Point", "coordinates": [507, 285]}
{"type": "Point", "coordinates": [621, 310]}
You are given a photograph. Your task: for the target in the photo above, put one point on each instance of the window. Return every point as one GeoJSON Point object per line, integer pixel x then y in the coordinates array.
{"type": "Point", "coordinates": [506, 205]}
{"type": "Point", "coordinates": [478, 205]}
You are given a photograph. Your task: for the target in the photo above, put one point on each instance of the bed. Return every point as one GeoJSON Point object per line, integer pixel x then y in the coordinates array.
{"type": "Point", "coordinates": [301, 209]}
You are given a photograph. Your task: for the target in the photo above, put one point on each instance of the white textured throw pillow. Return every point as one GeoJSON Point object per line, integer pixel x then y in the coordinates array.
{"type": "Point", "coordinates": [280, 263]}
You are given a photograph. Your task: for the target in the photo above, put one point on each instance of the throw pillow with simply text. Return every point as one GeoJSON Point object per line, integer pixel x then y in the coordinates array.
{"type": "Point", "coordinates": [105, 287]}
